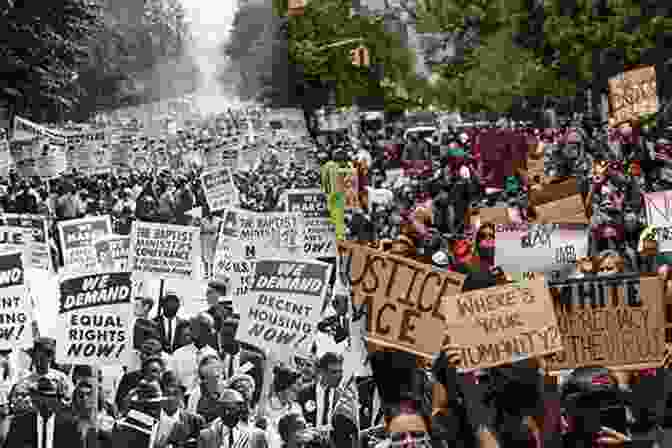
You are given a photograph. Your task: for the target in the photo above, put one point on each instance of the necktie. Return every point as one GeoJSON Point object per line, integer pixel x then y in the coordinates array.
{"type": "Point", "coordinates": [230, 361]}
{"type": "Point", "coordinates": [325, 411]}
{"type": "Point", "coordinates": [230, 437]}
{"type": "Point", "coordinates": [170, 335]}
{"type": "Point", "coordinates": [44, 432]}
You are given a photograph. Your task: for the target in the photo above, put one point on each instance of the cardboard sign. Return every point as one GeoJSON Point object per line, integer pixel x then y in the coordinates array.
{"type": "Point", "coordinates": [77, 237]}
{"type": "Point", "coordinates": [659, 215]}
{"type": "Point", "coordinates": [569, 210]}
{"type": "Point", "coordinates": [219, 188]}
{"type": "Point", "coordinates": [346, 182]}
{"type": "Point", "coordinates": [632, 94]}
{"type": "Point", "coordinates": [15, 306]}
{"type": "Point", "coordinates": [495, 215]}
{"type": "Point", "coordinates": [612, 321]}
{"type": "Point", "coordinates": [165, 250]}
{"type": "Point", "coordinates": [283, 306]}
{"type": "Point", "coordinates": [403, 298]}
{"type": "Point", "coordinates": [502, 324]}
{"type": "Point", "coordinates": [14, 238]}
{"type": "Point", "coordinates": [320, 233]}
{"type": "Point", "coordinates": [112, 252]}
{"type": "Point", "coordinates": [95, 314]}
{"type": "Point", "coordinates": [548, 248]}
{"type": "Point", "coordinates": [245, 237]}
{"type": "Point", "coordinates": [40, 251]}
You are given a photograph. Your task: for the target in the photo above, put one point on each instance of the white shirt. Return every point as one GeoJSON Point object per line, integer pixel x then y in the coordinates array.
{"type": "Point", "coordinates": [166, 425]}
{"type": "Point", "coordinates": [319, 397]}
{"type": "Point", "coordinates": [50, 430]}
{"type": "Point", "coordinates": [169, 324]}
{"type": "Point", "coordinates": [185, 363]}
{"type": "Point", "coordinates": [232, 361]}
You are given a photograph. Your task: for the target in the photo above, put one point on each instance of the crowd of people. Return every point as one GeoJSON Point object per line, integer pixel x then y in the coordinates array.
{"type": "Point", "coordinates": [192, 384]}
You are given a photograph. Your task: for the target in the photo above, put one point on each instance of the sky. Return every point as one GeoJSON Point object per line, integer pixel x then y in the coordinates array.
{"type": "Point", "coordinates": [210, 19]}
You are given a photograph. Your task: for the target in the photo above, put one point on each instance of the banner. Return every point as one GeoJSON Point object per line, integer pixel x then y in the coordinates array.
{"type": "Point", "coordinates": [632, 94]}
{"type": "Point", "coordinates": [283, 306]}
{"type": "Point", "coordinates": [15, 317]}
{"type": "Point", "coordinates": [245, 237]}
{"type": "Point", "coordinates": [502, 324]}
{"type": "Point", "coordinates": [77, 237]}
{"type": "Point", "coordinates": [549, 248]}
{"type": "Point", "coordinates": [220, 191]}
{"type": "Point", "coordinates": [403, 298]}
{"type": "Point", "coordinates": [95, 314]}
{"type": "Point", "coordinates": [659, 215]}
{"type": "Point", "coordinates": [38, 245]}
{"type": "Point", "coordinates": [320, 233]}
{"type": "Point", "coordinates": [166, 250]}
{"type": "Point", "coordinates": [615, 321]}
{"type": "Point", "coordinates": [112, 252]}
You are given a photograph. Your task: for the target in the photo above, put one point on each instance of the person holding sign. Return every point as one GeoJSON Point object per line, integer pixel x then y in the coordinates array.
{"type": "Point", "coordinates": [43, 355]}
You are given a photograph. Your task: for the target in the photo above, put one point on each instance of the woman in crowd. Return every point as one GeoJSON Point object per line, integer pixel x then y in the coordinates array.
{"type": "Point", "coordinates": [281, 401]}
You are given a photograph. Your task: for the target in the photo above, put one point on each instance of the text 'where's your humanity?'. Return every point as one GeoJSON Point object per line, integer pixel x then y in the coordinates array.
{"type": "Point", "coordinates": [284, 306]}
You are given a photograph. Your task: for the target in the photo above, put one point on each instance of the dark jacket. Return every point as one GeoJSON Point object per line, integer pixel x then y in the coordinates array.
{"type": "Point", "coordinates": [179, 331]}
{"type": "Point", "coordinates": [128, 382]}
{"type": "Point", "coordinates": [23, 432]}
{"type": "Point", "coordinates": [186, 429]}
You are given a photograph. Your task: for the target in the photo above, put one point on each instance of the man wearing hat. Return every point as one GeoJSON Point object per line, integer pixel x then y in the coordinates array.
{"type": "Point", "coordinates": [42, 356]}
{"type": "Point", "coordinates": [45, 426]}
{"type": "Point", "coordinates": [227, 431]}
{"type": "Point", "coordinates": [171, 327]}
{"type": "Point", "coordinates": [138, 427]}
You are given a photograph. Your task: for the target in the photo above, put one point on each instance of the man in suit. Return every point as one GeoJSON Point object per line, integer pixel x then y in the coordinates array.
{"type": "Point", "coordinates": [239, 357]}
{"type": "Point", "coordinates": [177, 427]}
{"type": "Point", "coordinates": [171, 328]}
{"type": "Point", "coordinates": [152, 368]}
{"type": "Point", "coordinates": [220, 307]}
{"type": "Point", "coordinates": [44, 427]}
{"type": "Point", "coordinates": [370, 405]}
{"type": "Point", "coordinates": [318, 401]}
{"type": "Point", "coordinates": [227, 431]}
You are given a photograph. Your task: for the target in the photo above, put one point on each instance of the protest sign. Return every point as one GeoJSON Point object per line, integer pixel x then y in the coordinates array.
{"type": "Point", "coordinates": [345, 182]}
{"type": "Point", "coordinates": [403, 298]}
{"type": "Point", "coordinates": [165, 250]}
{"type": "Point", "coordinates": [77, 237]}
{"type": "Point", "coordinates": [38, 245]}
{"type": "Point", "coordinates": [13, 239]}
{"type": "Point", "coordinates": [245, 237]}
{"type": "Point", "coordinates": [15, 315]}
{"type": "Point", "coordinates": [495, 215]}
{"type": "Point", "coordinates": [632, 94]}
{"type": "Point", "coordinates": [659, 215]}
{"type": "Point", "coordinates": [614, 321]}
{"type": "Point", "coordinates": [219, 188]}
{"type": "Point", "coordinates": [320, 233]}
{"type": "Point", "coordinates": [95, 314]}
{"type": "Point", "coordinates": [548, 248]}
{"type": "Point", "coordinates": [112, 252]}
{"type": "Point", "coordinates": [283, 306]}
{"type": "Point", "coordinates": [502, 324]}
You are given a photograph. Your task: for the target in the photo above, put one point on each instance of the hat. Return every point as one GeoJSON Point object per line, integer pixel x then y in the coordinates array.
{"type": "Point", "coordinates": [284, 378]}
{"type": "Point", "coordinates": [45, 386]}
{"type": "Point", "coordinates": [230, 396]}
{"type": "Point", "coordinates": [440, 259]}
{"type": "Point", "coordinates": [44, 344]}
{"type": "Point", "coordinates": [221, 286]}
{"type": "Point", "coordinates": [147, 391]}
{"type": "Point", "coordinates": [151, 345]}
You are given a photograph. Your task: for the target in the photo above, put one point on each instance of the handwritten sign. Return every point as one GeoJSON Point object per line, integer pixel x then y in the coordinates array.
{"type": "Point", "coordinates": [95, 314]}
{"type": "Point", "coordinates": [15, 306]}
{"type": "Point", "coordinates": [283, 306]}
{"type": "Point", "coordinates": [614, 321]}
{"type": "Point", "coordinates": [77, 238]}
{"type": "Point", "coordinates": [165, 250]}
{"type": "Point", "coordinates": [502, 324]}
{"type": "Point", "coordinates": [38, 244]}
{"type": "Point", "coordinates": [548, 248]}
{"type": "Point", "coordinates": [403, 298]}
{"type": "Point", "coordinates": [14, 238]}
{"type": "Point", "coordinates": [245, 237]}
{"type": "Point", "coordinates": [220, 190]}
{"type": "Point", "coordinates": [320, 233]}
{"type": "Point", "coordinates": [346, 182]}
{"type": "Point", "coordinates": [632, 94]}
{"type": "Point", "coordinates": [112, 252]}
{"type": "Point", "coordinates": [659, 215]}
